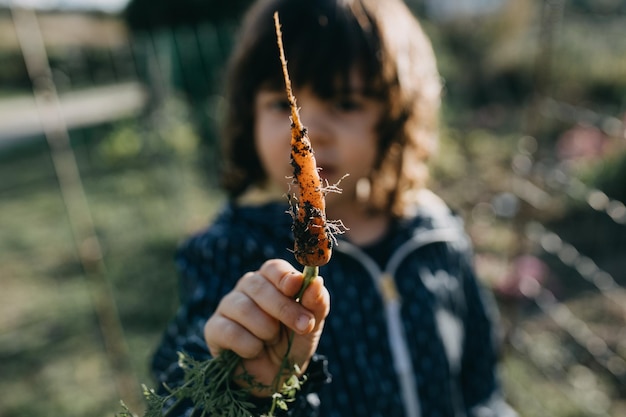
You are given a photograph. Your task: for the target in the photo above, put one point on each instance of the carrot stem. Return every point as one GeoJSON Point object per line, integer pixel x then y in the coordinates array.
{"type": "Point", "coordinates": [309, 272]}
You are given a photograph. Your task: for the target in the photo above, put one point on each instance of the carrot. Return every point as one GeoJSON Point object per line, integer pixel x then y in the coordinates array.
{"type": "Point", "coordinates": [313, 240]}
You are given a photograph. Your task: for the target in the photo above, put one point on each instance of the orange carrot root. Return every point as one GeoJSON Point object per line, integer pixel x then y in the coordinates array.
{"type": "Point", "coordinates": [313, 242]}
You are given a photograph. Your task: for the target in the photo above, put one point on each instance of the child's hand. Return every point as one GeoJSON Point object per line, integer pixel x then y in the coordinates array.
{"type": "Point", "coordinates": [249, 320]}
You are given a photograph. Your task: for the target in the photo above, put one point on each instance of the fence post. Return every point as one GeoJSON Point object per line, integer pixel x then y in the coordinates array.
{"type": "Point", "coordinates": [66, 168]}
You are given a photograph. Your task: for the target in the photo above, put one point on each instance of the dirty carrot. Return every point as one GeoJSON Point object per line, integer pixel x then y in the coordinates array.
{"type": "Point", "coordinates": [313, 243]}
{"type": "Point", "coordinates": [313, 238]}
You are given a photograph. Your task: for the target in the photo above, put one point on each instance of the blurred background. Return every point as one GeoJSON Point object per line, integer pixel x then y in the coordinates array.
{"type": "Point", "coordinates": [109, 112]}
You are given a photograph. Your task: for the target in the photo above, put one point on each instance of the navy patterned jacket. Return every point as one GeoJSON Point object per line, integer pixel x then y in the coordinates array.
{"type": "Point", "coordinates": [410, 331]}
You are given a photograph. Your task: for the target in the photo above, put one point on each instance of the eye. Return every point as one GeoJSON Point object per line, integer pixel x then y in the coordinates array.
{"type": "Point", "coordinates": [273, 101]}
{"type": "Point", "coordinates": [279, 104]}
{"type": "Point", "coordinates": [347, 104]}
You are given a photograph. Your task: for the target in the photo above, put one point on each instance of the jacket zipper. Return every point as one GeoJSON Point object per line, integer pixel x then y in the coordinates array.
{"type": "Point", "coordinates": [385, 284]}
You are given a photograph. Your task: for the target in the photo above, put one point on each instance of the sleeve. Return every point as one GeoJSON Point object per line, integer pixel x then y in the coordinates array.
{"type": "Point", "coordinates": [202, 283]}
{"type": "Point", "coordinates": [200, 289]}
{"type": "Point", "coordinates": [479, 375]}
{"type": "Point", "coordinates": [307, 401]}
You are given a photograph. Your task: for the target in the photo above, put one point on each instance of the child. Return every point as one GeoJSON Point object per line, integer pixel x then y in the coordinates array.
{"type": "Point", "coordinates": [410, 332]}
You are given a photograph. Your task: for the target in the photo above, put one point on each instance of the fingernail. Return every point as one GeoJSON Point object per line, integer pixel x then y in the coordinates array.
{"type": "Point", "coordinates": [303, 322]}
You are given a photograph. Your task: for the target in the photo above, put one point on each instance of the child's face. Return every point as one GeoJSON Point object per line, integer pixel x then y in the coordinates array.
{"type": "Point", "coordinates": [342, 130]}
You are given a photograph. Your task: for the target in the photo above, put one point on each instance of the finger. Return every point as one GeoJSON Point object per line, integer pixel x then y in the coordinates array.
{"type": "Point", "coordinates": [273, 289]}
{"type": "Point", "coordinates": [242, 309]}
{"type": "Point", "coordinates": [316, 299]}
{"type": "Point", "coordinates": [222, 334]}
{"type": "Point", "coordinates": [283, 276]}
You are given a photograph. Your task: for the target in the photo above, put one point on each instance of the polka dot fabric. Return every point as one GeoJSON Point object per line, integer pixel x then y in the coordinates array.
{"type": "Point", "coordinates": [445, 316]}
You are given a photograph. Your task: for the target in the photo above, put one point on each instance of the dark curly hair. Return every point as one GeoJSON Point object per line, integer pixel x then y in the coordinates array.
{"type": "Point", "coordinates": [324, 40]}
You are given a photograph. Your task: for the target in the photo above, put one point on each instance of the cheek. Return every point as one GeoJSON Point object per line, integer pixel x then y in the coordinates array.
{"type": "Point", "coordinates": [272, 146]}
{"type": "Point", "coordinates": [360, 154]}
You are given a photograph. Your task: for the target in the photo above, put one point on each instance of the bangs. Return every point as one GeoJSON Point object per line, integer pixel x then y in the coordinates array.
{"type": "Point", "coordinates": [327, 43]}
{"type": "Point", "coordinates": [324, 44]}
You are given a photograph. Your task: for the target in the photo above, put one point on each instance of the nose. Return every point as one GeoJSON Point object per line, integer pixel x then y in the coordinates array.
{"type": "Point", "coordinates": [318, 122]}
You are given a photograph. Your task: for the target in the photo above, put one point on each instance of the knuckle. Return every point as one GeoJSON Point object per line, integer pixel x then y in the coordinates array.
{"type": "Point", "coordinates": [251, 283]}
{"type": "Point", "coordinates": [243, 304]}
{"type": "Point", "coordinates": [273, 266]}
{"type": "Point", "coordinates": [250, 348]}
{"type": "Point", "coordinates": [270, 264]}
{"type": "Point", "coordinates": [245, 278]}
{"type": "Point", "coordinates": [231, 332]}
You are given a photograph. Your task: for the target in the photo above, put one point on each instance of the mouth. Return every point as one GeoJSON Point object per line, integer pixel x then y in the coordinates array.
{"type": "Point", "coordinates": [327, 173]}
{"type": "Point", "coordinates": [332, 178]}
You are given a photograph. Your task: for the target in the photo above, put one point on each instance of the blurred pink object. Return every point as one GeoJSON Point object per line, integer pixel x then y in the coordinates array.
{"type": "Point", "coordinates": [527, 274]}
{"type": "Point", "coordinates": [581, 142]}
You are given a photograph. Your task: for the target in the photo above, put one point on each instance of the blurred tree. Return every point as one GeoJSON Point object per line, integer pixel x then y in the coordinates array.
{"type": "Point", "coordinates": [182, 49]}
{"type": "Point", "coordinates": [597, 6]}
{"type": "Point", "coordinates": [153, 14]}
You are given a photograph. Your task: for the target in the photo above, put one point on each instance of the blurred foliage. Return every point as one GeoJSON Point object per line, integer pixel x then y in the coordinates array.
{"type": "Point", "coordinates": [166, 133]}
{"type": "Point", "coordinates": [598, 6]}
{"type": "Point", "coordinates": [597, 45]}
{"type": "Point", "coordinates": [155, 14]}
{"type": "Point", "coordinates": [609, 176]}
{"type": "Point", "coordinates": [13, 75]}
{"type": "Point", "coordinates": [144, 196]}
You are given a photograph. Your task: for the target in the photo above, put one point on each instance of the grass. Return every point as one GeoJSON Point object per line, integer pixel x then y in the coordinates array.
{"type": "Point", "coordinates": [51, 352]}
